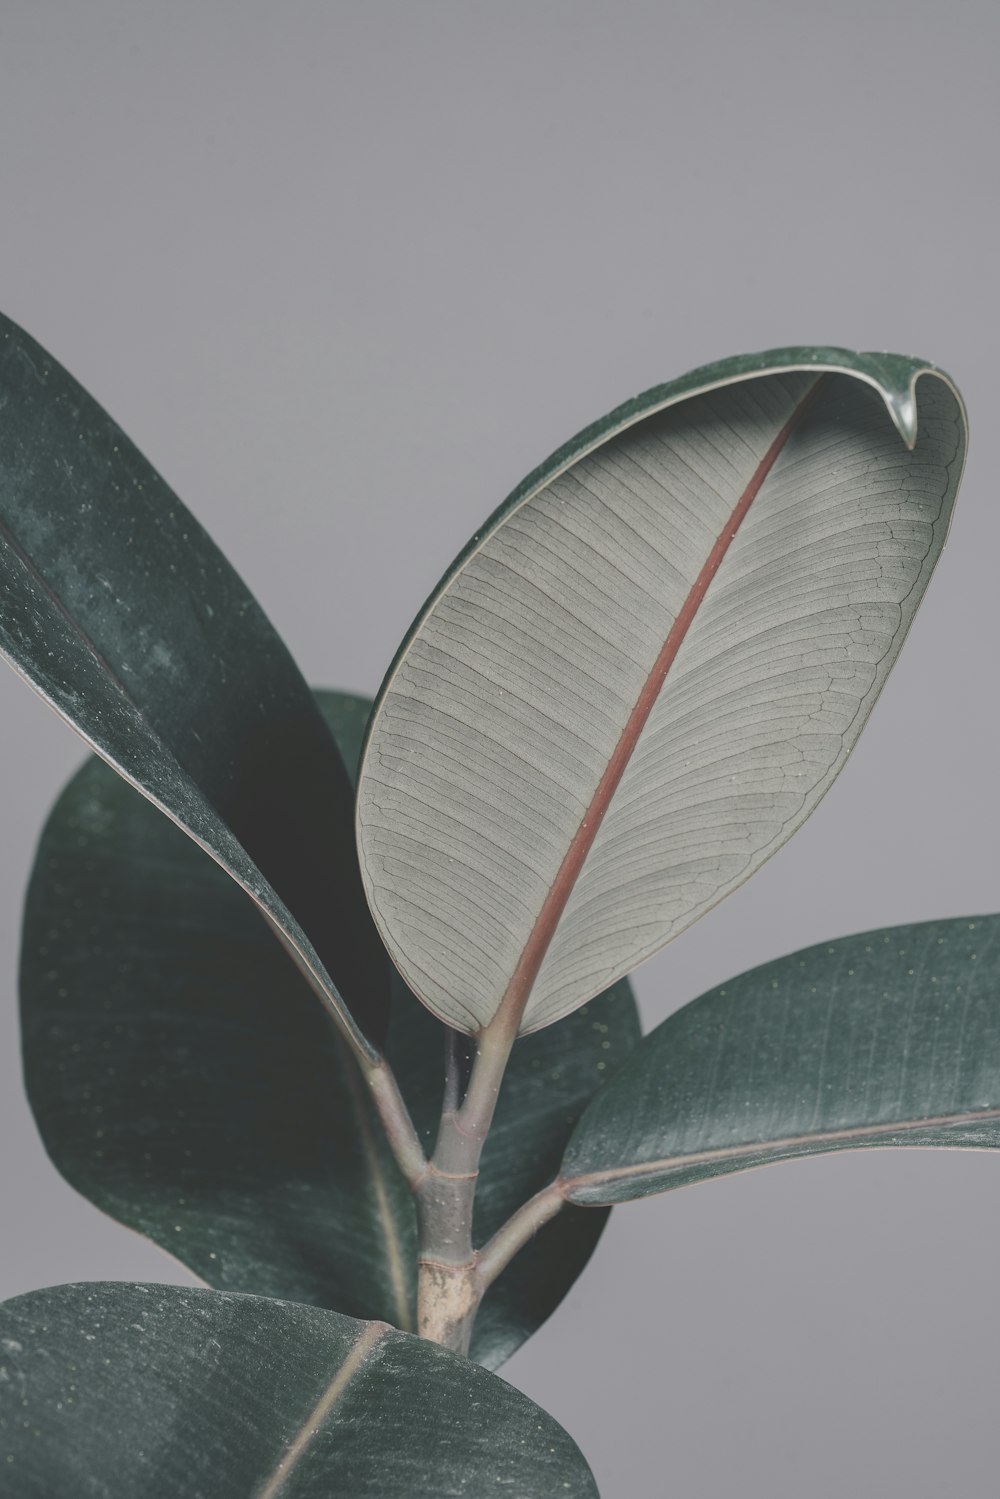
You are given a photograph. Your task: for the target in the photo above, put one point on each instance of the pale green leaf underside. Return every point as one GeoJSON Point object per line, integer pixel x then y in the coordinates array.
{"type": "Point", "coordinates": [126, 1390]}
{"type": "Point", "coordinates": [501, 715]}
{"type": "Point", "coordinates": [889, 1038]}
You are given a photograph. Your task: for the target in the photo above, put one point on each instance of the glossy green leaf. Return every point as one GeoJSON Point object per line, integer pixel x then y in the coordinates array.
{"type": "Point", "coordinates": [888, 1038]}
{"type": "Point", "coordinates": [185, 1080]}
{"type": "Point", "coordinates": [645, 671]}
{"type": "Point", "coordinates": [127, 1390]}
{"type": "Point", "coordinates": [120, 612]}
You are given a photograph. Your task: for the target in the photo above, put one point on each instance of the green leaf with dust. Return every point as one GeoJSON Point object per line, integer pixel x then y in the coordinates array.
{"type": "Point", "coordinates": [889, 1038]}
{"type": "Point", "coordinates": [122, 614]}
{"type": "Point", "coordinates": [126, 1390]}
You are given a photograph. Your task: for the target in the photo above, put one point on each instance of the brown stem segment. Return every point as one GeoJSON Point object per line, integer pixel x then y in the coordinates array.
{"type": "Point", "coordinates": [449, 1292]}
{"type": "Point", "coordinates": [448, 1289]}
{"type": "Point", "coordinates": [448, 1298]}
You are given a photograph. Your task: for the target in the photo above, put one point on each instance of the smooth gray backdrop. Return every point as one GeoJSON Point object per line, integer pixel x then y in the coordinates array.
{"type": "Point", "coordinates": [346, 272]}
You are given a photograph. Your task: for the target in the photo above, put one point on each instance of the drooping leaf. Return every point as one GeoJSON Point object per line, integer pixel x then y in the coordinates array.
{"type": "Point", "coordinates": [127, 1390]}
{"type": "Point", "coordinates": [185, 1080]}
{"type": "Point", "coordinates": [888, 1038]}
{"type": "Point", "coordinates": [643, 673]}
{"type": "Point", "coordinates": [120, 612]}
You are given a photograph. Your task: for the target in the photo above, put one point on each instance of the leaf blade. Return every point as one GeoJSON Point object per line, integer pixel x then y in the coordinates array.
{"type": "Point", "coordinates": [119, 611]}
{"type": "Point", "coordinates": [503, 859]}
{"type": "Point", "coordinates": [889, 1038]}
{"type": "Point", "coordinates": [183, 1077]}
{"type": "Point", "coordinates": [159, 1390]}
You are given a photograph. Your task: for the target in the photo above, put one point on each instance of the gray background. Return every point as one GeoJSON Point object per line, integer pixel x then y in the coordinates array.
{"type": "Point", "coordinates": [346, 272]}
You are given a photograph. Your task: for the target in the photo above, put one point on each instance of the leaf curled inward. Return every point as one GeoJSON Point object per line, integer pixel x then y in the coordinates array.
{"type": "Point", "coordinates": [646, 671]}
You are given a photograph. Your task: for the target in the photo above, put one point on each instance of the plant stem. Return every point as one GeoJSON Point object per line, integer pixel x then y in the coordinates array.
{"type": "Point", "coordinates": [449, 1289]}
{"type": "Point", "coordinates": [378, 1075]}
{"type": "Point", "coordinates": [455, 1069]}
{"type": "Point", "coordinates": [448, 1293]}
{"type": "Point", "coordinates": [400, 1132]}
{"type": "Point", "coordinates": [515, 1233]}
{"type": "Point", "coordinates": [450, 1282]}
{"type": "Point", "coordinates": [473, 1119]}
{"type": "Point", "coordinates": [451, 1275]}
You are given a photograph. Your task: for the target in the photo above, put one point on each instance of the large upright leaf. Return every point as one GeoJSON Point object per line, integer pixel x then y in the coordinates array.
{"type": "Point", "coordinates": [644, 672]}
{"type": "Point", "coordinates": [117, 608]}
{"type": "Point", "coordinates": [125, 1391]}
{"type": "Point", "coordinates": [185, 1080]}
{"type": "Point", "coordinates": [888, 1038]}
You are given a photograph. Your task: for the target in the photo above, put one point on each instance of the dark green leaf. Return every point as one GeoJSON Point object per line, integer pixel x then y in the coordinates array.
{"type": "Point", "coordinates": [154, 1391]}
{"type": "Point", "coordinates": [888, 1038]}
{"type": "Point", "coordinates": [122, 614]}
{"type": "Point", "coordinates": [645, 671]}
{"type": "Point", "coordinates": [183, 1076]}
{"type": "Point", "coordinates": [185, 1080]}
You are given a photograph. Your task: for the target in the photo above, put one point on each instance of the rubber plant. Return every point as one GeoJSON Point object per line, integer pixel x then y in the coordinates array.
{"type": "Point", "coordinates": [388, 1141]}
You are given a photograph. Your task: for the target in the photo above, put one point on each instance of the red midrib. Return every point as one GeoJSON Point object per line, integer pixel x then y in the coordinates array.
{"type": "Point", "coordinates": [522, 980]}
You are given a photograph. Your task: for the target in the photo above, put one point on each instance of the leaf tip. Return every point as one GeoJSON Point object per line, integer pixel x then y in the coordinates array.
{"type": "Point", "coordinates": [902, 407]}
